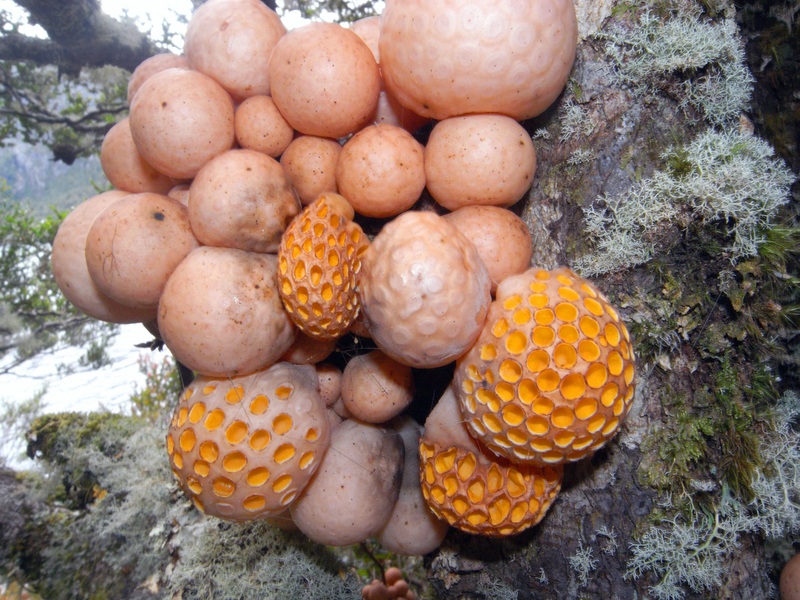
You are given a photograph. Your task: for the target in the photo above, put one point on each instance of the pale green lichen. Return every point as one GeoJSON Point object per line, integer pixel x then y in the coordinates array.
{"type": "Point", "coordinates": [694, 548]}
{"type": "Point", "coordinates": [229, 561]}
{"type": "Point", "coordinates": [710, 55]}
{"type": "Point", "coordinates": [729, 178]}
{"type": "Point", "coordinates": [583, 563]}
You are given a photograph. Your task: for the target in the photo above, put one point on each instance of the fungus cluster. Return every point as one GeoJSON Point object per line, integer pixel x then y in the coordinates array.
{"type": "Point", "coordinates": [244, 264]}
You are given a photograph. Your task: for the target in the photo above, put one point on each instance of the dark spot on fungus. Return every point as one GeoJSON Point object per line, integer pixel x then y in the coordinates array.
{"type": "Point", "coordinates": [158, 216]}
{"type": "Point", "coordinates": [164, 104]}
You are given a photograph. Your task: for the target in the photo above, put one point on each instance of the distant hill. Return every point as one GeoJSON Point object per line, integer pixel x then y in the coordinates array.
{"type": "Point", "coordinates": [36, 179]}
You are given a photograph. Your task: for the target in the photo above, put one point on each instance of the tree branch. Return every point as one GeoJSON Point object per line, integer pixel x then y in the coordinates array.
{"type": "Point", "coordinates": [81, 34]}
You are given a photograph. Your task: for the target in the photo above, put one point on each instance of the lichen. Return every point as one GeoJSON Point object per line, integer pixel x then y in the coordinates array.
{"type": "Point", "coordinates": [229, 561]}
{"type": "Point", "coordinates": [710, 55]}
{"type": "Point", "coordinates": [729, 179]}
{"type": "Point", "coordinates": [693, 546]}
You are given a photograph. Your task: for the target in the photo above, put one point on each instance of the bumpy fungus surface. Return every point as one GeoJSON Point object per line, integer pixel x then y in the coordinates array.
{"type": "Point", "coordinates": [551, 377]}
{"type": "Point", "coordinates": [482, 495]}
{"type": "Point", "coordinates": [245, 447]}
{"type": "Point", "coordinates": [319, 260]}
{"type": "Point", "coordinates": [425, 290]}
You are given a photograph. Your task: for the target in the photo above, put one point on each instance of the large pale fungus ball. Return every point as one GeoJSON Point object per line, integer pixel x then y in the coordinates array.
{"type": "Point", "coordinates": [473, 490]}
{"type": "Point", "coordinates": [501, 237]}
{"type": "Point", "coordinates": [134, 245]}
{"type": "Point", "coordinates": [151, 66]}
{"type": "Point", "coordinates": [124, 166]}
{"type": "Point", "coordinates": [353, 493]}
{"type": "Point", "coordinates": [381, 171]}
{"type": "Point", "coordinates": [242, 199]}
{"type": "Point", "coordinates": [479, 159]}
{"type": "Point", "coordinates": [71, 273]}
{"type": "Point", "coordinates": [455, 57]}
{"type": "Point", "coordinates": [413, 529]}
{"type": "Point", "coordinates": [324, 80]}
{"type": "Point", "coordinates": [310, 163]}
{"type": "Point", "coordinates": [389, 110]}
{"type": "Point", "coordinates": [181, 119]}
{"type": "Point", "coordinates": [260, 126]}
{"type": "Point", "coordinates": [221, 314]}
{"type": "Point", "coordinates": [551, 377]}
{"type": "Point", "coordinates": [376, 387]}
{"type": "Point", "coordinates": [244, 447]}
{"type": "Point", "coordinates": [424, 289]}
{"type": "Point", "coordinates": [330, 382]}
{"type": "Point", "coordinates": [319, 262]}
{"type": "Point", "coordinates": [231, 41]}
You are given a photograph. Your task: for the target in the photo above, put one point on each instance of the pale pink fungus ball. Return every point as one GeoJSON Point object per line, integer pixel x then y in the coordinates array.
{"type": "Point", "coordinates": [381, 171]}
{"type": "Point", "coordinates": [231, 41]}
{"type": "Point", "coordinates": [151, 66]}
{"type": "Point", "coordinates": [424, 289]}
{"type": "Point", "coordinates": [479, 159]}
{"type": "Point", "coordinates": [181, 119]}
{"type": "Point", "coordinates": [260, 126]}
{"type": "Point", "coordinates": [310, 163]}
{"type": "Point", "coordinates": [324, 80]}
{"type": "Point", "coordinates": [454, 57]}
{"type": "Point", "coordinates": [124, 166]}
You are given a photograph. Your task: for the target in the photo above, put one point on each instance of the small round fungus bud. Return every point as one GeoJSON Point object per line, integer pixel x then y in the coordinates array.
{"type": "Point", "coordinates": [551, 378]}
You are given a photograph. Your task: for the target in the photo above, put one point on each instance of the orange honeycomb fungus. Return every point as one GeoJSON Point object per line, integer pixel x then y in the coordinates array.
{"type": "Point", "coordinates": [483, 495]}
{"type": "Point", "coordinates": [551, 378]}
{"type": "Point", "coordinates": [319, 261]}
{"type": "Point", "coordinates": [243, 448]}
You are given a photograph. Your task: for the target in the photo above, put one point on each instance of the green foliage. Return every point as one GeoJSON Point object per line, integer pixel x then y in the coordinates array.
{"type": "Point", "coordinates": [16, 419]}
{"type": "Point", "coordinates": [34, 315]}
{"type": "Point", "coordinates": [342, 11]}
{"type": "Point", "coordinates": [70, 115]}
{"type": "Point", "coordinates": [156, 401]}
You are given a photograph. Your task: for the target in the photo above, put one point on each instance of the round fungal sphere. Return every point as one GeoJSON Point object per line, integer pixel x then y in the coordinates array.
{"type": "Point", "coordinates": [310, 163]}
{"type": "Point", "coordinates": [319, 261]}
{"type": "Point", "coordinates": [243, 448]}
{"type": "Point", "coordinates": [375, 387]}
{"type": "Point", "coordinates": [231, 41]}
{"type": "Point", "coordinates": [134, 245]}
{"type": "Point", "coordinates": [352, 494]}
{"type": "Point", "coordinates": [242, 199]}
{"type": "Point", "coordinates": [479, 159]}
{"type": "Point", "coordinates": [381, 171]}
{"type": "Point", "coordinates": [506, 57]}
{"type": "Point", "coordinates": [424, 290]}
{"type": "Point", "coordinates": [389, 111]}
{"type": "Point", "coordinates": [180, 193]}
{"type": "Point", "coordinates": [151, 66]}
{"type": "Point", "coordinates": [501, 237]}
{"type": "Point", "coordinates": [124, 166]}
{"type": "Point", "coordinates": [413, 529]}
{"type": "Point", "coordinates": [221, 314]}
{"type": "Point", "coordinates": [330, 382]}
{"type": "Point", "coordinates": [790, 579]}
{"type": "Point", "coordinates": [259, 126]}
{"type": "Point", "coordinates": [324, 80]}
{"type": "Point", "coordinates": [551, 377]}
{"type": "Point", "coordinates": [181, 119]}
{"type": "Point", "coordinates": [474, 490]}
{"type": "Point", "coordinates": [71, 273]}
